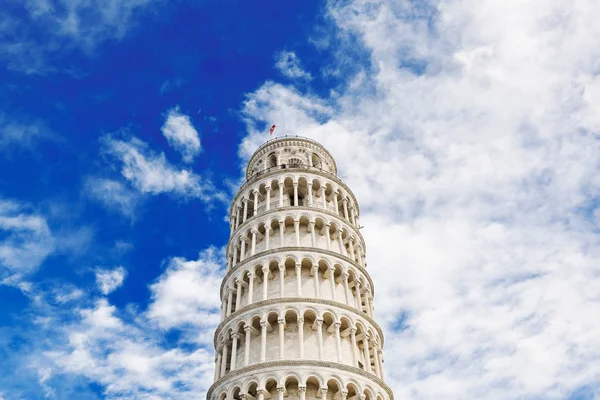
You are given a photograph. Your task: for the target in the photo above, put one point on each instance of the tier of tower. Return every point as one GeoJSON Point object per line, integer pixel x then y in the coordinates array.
{"type": "Point", "coordinates": [299, 331]}
{"type": "Point", "coordinates": [297, 188]}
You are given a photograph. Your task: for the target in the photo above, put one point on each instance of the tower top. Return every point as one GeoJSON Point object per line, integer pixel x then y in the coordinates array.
{"type": "Point", "coordinates": [290, 151]}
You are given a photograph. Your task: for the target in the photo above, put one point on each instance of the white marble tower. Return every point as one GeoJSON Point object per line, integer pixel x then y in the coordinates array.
{"type": "Point", "coordinates": [297, 300]}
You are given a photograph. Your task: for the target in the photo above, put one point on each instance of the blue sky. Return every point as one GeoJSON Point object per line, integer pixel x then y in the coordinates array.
{"type": "Point", "coordinates": [467, 130]}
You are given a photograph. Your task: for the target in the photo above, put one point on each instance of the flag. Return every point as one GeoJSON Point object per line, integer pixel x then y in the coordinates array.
{"type": "Point", "coordinates": [271, 130]}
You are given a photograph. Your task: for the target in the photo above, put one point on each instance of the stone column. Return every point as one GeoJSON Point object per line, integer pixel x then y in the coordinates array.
{"type": "Point", "coordinates": [281, 322]}
{"type": "Point", "coordinates": [311, 226]}
{"type": "Point", "coordinates": [268, 189]}
{"type": "Point", "coordinates": [235, 249]}
{"type": "Point", "coordinates": [380, 353]}
{"type": "Point", "coordinates": [243, 248]}
{"type": "Point", "coordinates": [366, 348]}
{"type": "Point", "coordinates": [324, 197]}
{"type": "Point", "coordinates": [224, 359]}
{"type": "Point", "coordinates": [218, 363]}
{"type": "Point", "coordinates": [263, 340]}
{"type": "Point", "coordinates": [248, 331]}
{"type": "Point", "coordinates": [315, 269]}
{"type": "Point", "coordinates": [301, 336]}
{"type": "Point", "coordinates": [354, 347]}
{"type": "Point", "coordinates": [250, 287]}
{"type": "Point", "coordinates": [319, 323]}
{"type": "Point", "coordinates": [376, 359]}
{"type": "Point", "coordinates": [238, 217]}
{"type": "Point", "coordinates": [341, 243]}
{"type": "Point", "coordinates": [352, 217]}
{"type": "Point", "coordinates": [345, 202]}
{"type": "Point", "coordinates": [361, 260]}
{"type": "Point", "coordinates": [351, 243]}
{"type": "Point", "coordinates": [267, 236]}
{"type": "Point", "coordinates": [335, 203]}
{"type": "Point", "coordinates": [323, 393]}
{"type": "Point", "coordinates": [238, 295]}
{"type": "Point", "coordinates": [347, 293]}
{"type": "Point", "coordinates": [297, 229]}
{"type": "Point", "coordinates": [245, 216]}
{"type": "Point", "coordinates": [310, 194]}
{"type": "Point", "coordinates": [368, 303]}
{"type": "Point", "coordinates": [253, 248]}
{"type": "Point", "coordinates": [255, 202]}
{"type": "Point", "coordinates": [296, 194]}
{"type": "Point", "coordinates": [223, 309]}
{"type": "Point", "coordinates": [338, 341]}
{"type": "Point", "coordinates": [235, 337]}
{"type": "Point", "coordinates": [281, 231]}
{"type": "Point", "coordinates": [260, 393]}
{"type": "Point", "coordinates": [328, 236]}
{"type": "Point", "coordinates": [302, 392]}
{"type": "Point", "coordinates": [229, 301]}
{"type": "Point", "coordinates": [299, 279]}
{"type": "Point", "coordinates": [358, 296]}
{"type": "Point", "coordinates": [332, 282]}
{"type": "Point", "coordinates": [281, 280]}
{"type": "Point", "coordinates": [265, 282]}
{"type": "Point", "coordinates": [344, 394]}
{"type": "Point", "coordinates": [280, 393]}
{"type": "Point", "coordinates": [280, 194]}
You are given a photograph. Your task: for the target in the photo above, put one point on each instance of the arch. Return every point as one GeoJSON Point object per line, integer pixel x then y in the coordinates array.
{"type": "Point", "coordinates": [250, 386]}
{"type": "Point", "coordinates": [288, 377]}
{"type": "Point", "coordinates": [334, 386]}
{"type": "Point", "coordinates": [235, 392]}
{"type": "Point", "coordinates": [353, 389]}
{"type": "Point", "coordinates": [270, 384]}
{"type": "Point", "coordinates": [368, 392]}
{"type": "Point", "coordinates": [271, 160]}
{"type": "Point", "coordinates": [314, 378]}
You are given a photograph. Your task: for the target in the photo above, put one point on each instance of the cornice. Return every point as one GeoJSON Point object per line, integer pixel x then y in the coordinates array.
{"type": "Point", "coordinates": [290, 364]}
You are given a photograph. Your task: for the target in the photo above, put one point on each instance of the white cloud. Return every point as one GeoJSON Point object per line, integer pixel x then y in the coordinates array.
{"type": "Point", "coordinates": [26, 239]}
{"type": "Point", "coordinates": [288, 64]}
{"type": "Point", "coordinates": [181, 135]}
{"type": "Point", "coordinates": [126, 352]}
{"type": "Point", "coordinates": [45, 29]}
{"type": "Point", "coordinates": [114, 195]}
{"type": "Point", "coordinates": [67, 293]}
{"type": "Point", "coordinates": [151, 173]}
{"type": "Point", "coordinates": [187, 293]}
{"type": "Point", "coordinates": [19, 135]}
{"type": "Point", "coordinates": [110, 280]}
{"type": "Point", "coordinates": [470, 138]}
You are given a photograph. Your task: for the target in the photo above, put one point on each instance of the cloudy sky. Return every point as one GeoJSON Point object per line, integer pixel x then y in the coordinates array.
{"type": "Point", "coordinates": [469, 131]}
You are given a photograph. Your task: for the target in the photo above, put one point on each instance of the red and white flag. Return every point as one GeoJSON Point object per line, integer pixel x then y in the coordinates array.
{"type": "Point", "coordinates": [271, 130]}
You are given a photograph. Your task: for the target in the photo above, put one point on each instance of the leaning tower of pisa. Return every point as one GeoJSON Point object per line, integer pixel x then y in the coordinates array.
{"type": "Point", "coordinates": [297, 300]}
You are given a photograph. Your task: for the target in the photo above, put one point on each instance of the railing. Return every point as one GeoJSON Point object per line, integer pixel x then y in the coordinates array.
{"type": "Point", "coordinates": [289, 166]}
{"type": "Point", "coordinates": [288, 137]}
